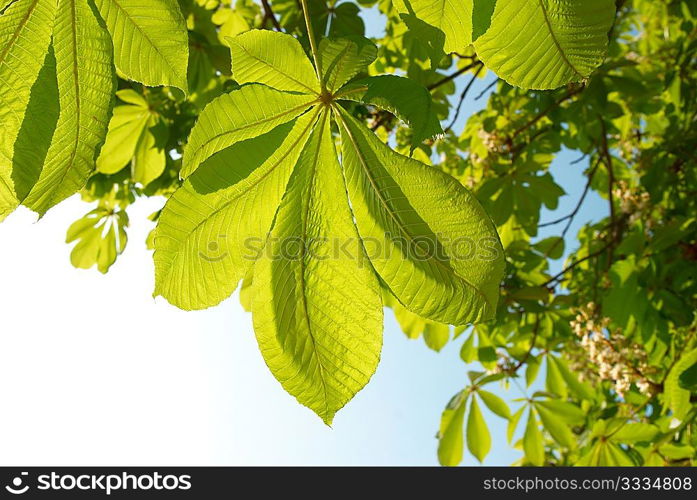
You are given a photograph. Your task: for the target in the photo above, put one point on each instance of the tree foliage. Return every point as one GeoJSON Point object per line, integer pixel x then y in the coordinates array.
{"type": "Point", "coordinates": [330, 174]}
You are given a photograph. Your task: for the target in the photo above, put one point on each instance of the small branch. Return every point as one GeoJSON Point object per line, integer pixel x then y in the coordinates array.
{"type": "Point", "coordinates": [548, 110]}
{"type": "Point", "coordinates": [575, 264]}
{"type": "Point", "coordinates": [554, 222]}
{"type": "Point", "coordinates": [384, 116]}
{"type": "Point", "coordinates": [579, 159]}
{"type": "Point", "coordinates": [605, 154]}
{"type": "Point", "coordinates": [487, 89]}
{"type": "Point", "coordinates": [462, 98]}
{"type": "Point", "coordinates": [532, 345]}
{"type": "Point", "coordinates": [574, 212]}
{"type": "Point", "coordinates": [269, 15]}
{"type": "Point", "coordinates": [454, 75]}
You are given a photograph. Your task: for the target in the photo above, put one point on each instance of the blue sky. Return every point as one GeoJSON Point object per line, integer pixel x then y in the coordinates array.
{"type": "Point", "coordinates": [95, 371]}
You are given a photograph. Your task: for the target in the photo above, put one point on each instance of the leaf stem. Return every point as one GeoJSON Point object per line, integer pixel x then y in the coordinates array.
{"type": "Point", "coordinates": [313, 42]}
{"type": "Point", "coordinates": [356, 90]}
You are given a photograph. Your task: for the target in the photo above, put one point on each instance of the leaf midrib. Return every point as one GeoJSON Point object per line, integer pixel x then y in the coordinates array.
{"type": "Point", "coordinates": [244, 127]}
{"type": "Point", "coordinates": [241, 192]}
{"type": "Point", "coordinates": [78, 105]}
{"type": "Point", "coordinates": [19, 29]}
{"type": "Point", "coordinates": [393, 216]}
{"type": "Point", "coordinates": [150, 41]}
{"type": "Point", "coordinates": [262, 61]}
{"type": "Point", "coordinates": [545, 14]}
{"type": "Point", "coordinates": [304, 218]}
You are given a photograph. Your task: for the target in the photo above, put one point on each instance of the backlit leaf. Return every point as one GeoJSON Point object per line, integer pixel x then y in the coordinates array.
{"type": "Point", "coordinates": [344, 58]}
{"type": "Point", "coordinates": [478, 437]}
{"type": "Point", "coordinates": [242, 114]}
{"type": "Point", "coordinates": [400, 206]}
{"type": "Point", "coordinates": [451, 441]}
{"type": "Point", "coordinates": [86, 85]}
{"type": "Point", "coordinates": [213, 228]}
{"type": "Point", "coordinates": [151, 44]}
{"type": "Point", "coordinates": [274, 59]}
{"type": "Point", "coordinates": [317, 313]}
{"type": "Point", "coordinates": [544, 44]}
{"type": "Point", "coordinates": [25, 34]}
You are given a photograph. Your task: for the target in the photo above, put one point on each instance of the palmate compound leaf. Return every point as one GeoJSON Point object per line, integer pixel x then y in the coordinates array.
{"type": "Point", "coordinates": [86, 83]}
{"type": "Point", "coordinates": [25, 35]}
{"type": "Point", "coordinates": [317, 319]}
{"type": "Point", "coordinates": [534, 44]}
{"type": "Point", "coordinates": [101, 237]}
{"type": "Point", "coordinates": [151, 45]}
{"type": "Point", "coordinates": [135, 137]}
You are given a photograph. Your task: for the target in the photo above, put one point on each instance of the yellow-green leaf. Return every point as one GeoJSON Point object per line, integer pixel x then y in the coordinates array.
{"type": "Point", "coordinates": [344, 58]}
{"type": "Point", "coordinates": [25, 35]}
{"type": "Point", "coordinates": [478, 437]}
{"type": "Point", "coordinates": [495, 404]}
{"type": "Point", "coordinates": [677, 398]}
{"type": "Point", "coordinates": [213, 227]}
{"type": "Point", "coordinates": [151, 43]}
{"type": "Point", "coordinates": [532, 441]}
{"type": "Point", "coordinates": [242, 114]}
{"type": "Point", "coordinates": [557, 428]}
{"type": "Point", "coordinates": [86, 84]}
{"type": "Point", "coordinates": [452, 17]}
{"type": "Point", "coordinates": [451, 442]}
{"type": "Point", "coordinates": [417, 222]}
{"type": "Point", "coordinates": [274, 59]}
{"type": "Point", "coordinates": [317, 312]}
{"type": "Point", "coordinates": [544, 44]}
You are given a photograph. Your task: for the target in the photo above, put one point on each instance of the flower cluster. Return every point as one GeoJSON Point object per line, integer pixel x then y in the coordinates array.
{"type": "Point", "coordinates": [493, 142]}
{"type": "Point", "coordinates": [612, 356]}
{"type": "Point", "coordinates": [632, 202]}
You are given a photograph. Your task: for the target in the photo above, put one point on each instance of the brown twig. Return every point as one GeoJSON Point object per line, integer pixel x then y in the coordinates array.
{"type": "Point", "coordinates": [607, 158]}
{"type": "Point", "coordinates": [462, 98]}
{"type": "Point", "coordinates": [574, 264]}
{"type": "Point", "coordinates": [575, 211]}
{"type": "Point", "coordinates": [454, 75]}
{"type": "Point", "coordinates": [487, 89]}
{"type": "Point", "coordinates": [549, 109]}
{"type": "Point", "coordinates": [270, 16]}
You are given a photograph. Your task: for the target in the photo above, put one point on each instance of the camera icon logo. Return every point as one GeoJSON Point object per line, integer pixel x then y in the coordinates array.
{"type": "Point", "coordinates": [16, 488]}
